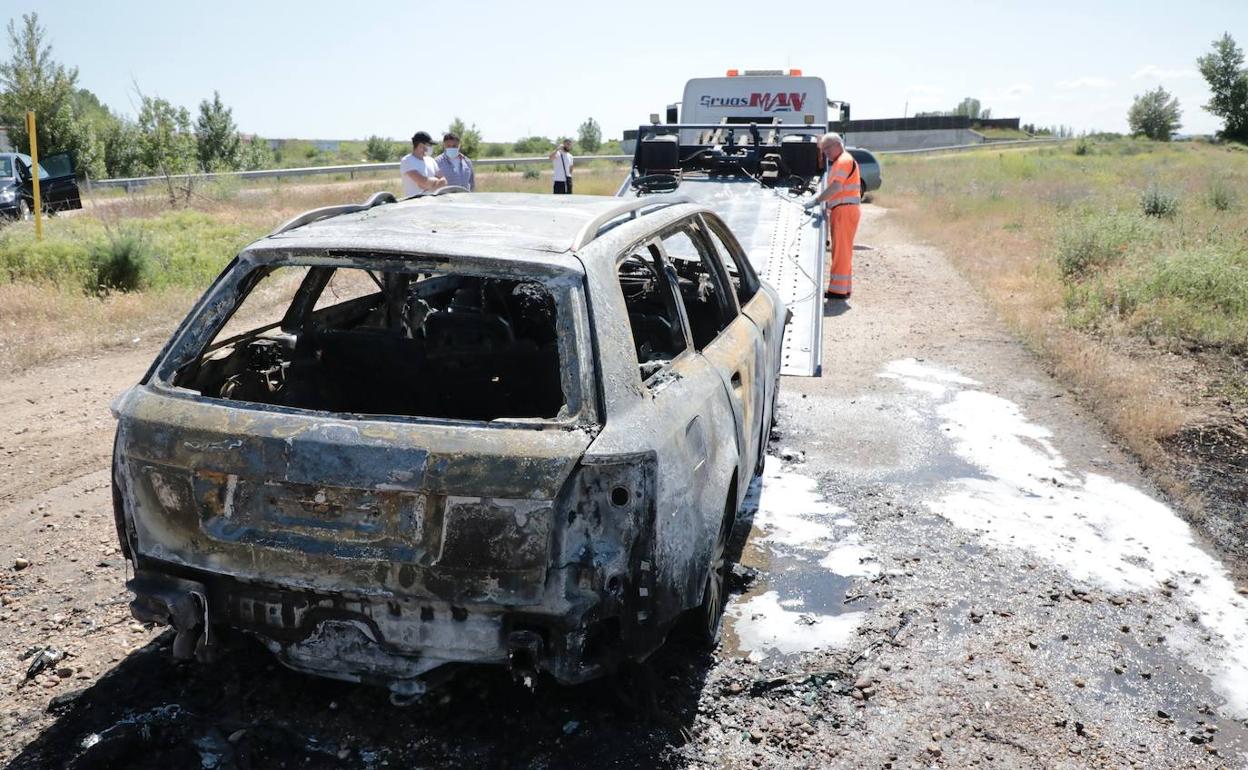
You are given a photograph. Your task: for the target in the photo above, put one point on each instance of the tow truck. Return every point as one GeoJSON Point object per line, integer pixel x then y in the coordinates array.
{"type": "Point", "coordinates": [746, 145]}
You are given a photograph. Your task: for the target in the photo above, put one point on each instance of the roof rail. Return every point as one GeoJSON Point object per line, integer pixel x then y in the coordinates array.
{"type": "Point", "coordinates": [325, 212]}
{"type": "Point", "coordinates": [631, 207]}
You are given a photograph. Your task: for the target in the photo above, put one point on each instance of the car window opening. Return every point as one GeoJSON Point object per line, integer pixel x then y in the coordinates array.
{"type": "Point", "coordinates": [658, 334]}
{"type": "Point", "coordinates": [350, 340]}
{"type": "Point", "coordinates": [708, 312]}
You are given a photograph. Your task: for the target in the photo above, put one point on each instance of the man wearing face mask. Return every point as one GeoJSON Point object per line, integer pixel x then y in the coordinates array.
{"type": "Point", "coordinates": [454, 165]}
{"type": "Point", "coordinates": [418, 169]}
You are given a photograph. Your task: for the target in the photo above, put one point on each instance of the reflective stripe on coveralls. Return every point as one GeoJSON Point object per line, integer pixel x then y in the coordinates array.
{"type": "Point", "coordinates": [843, 214]}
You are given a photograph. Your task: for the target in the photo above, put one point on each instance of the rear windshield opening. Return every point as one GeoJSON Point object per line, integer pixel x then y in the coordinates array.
{"type": "Point", "coordinates": [346, 339]}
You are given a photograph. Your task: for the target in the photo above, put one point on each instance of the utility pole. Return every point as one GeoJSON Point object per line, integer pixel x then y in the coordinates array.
{"type": "Point", "coordinates": [34, 173]}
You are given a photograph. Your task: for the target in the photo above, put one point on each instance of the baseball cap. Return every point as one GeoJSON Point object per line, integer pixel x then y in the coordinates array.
{"type": "Point", "coordinates": [422, 137]}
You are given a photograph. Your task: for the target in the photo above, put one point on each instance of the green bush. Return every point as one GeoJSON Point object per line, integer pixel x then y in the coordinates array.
{"type": "Point", "coordinates": [55, 260]}
{"type": "Point", "coordinates": [1199, 295]}
{"type": "Point", "coordinates": [120, 263]}
{"type": "Point", "coordinates": [1096, 241]}
{"type": "Point", "coordinates": [531, 172]}
{"type": "Point", "coordinates": [1221, 196]}
{"type": "Point", "coordinates": [1156, 202]}
{"type": "Point", "coordinates": [1081, 147]}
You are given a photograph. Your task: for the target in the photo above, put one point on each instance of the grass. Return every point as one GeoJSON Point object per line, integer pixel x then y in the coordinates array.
{"type": "Point", "coordinates": [1115, 260]}
{"type": "Point", "coordinates": [129, 267]}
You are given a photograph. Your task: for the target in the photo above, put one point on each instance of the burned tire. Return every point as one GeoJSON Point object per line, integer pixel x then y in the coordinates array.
{"type": "Point", "coordinates": [710, 615]}
{"type": "Point", "coordinates": [765, 435]}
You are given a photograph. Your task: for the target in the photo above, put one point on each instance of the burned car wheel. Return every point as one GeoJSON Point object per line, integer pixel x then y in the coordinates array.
{"type": "Point", "coordinates": [710, 615]}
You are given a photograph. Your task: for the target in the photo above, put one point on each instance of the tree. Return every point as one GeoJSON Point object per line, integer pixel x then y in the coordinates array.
{"type": "Point", "coordinates": [255, 154]}
{"type": "Point", "coordinates": [589, 136]}
{"type": "Point", "coordinates": [533, 145]}
{"type": "Point", "coordinates": [32, 80]}
{"type": "Point", "coordinates": [971, 108]}
{"type": "Point", "coordinates": [216, 136]}
{"type": "Point", "coordinates": [1154, 114]}
{"type": "Point", "coordinates": [166, 144]}
{"type": "Point", "coordinates": [469, 137]}
{"type": "Point", "coordinates": [122, 153]}
{"type": "Point", "coordinates": [1223, 69]}
{"type": "Point", "coordinates": [378, 149]}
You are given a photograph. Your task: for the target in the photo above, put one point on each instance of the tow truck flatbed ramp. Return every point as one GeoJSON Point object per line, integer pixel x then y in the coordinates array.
{"type": "Point", "coordinates": [785, 245]}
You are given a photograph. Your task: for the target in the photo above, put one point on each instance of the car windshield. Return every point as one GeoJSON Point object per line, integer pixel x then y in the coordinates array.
{"type": "Point", "coordinates": [6, 167]}
{"type": "Point", "coordinates": [390, 342]}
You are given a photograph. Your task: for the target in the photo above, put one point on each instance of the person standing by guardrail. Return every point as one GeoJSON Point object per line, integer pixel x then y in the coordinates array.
{"type": "Point", "coordinates": [456, 168]}
{"type": "Point", "coordinates": [842, 196]}
{"type": "Point", "coordinates": [563, 160]}
{"type": "Point", "coordinates": [418, 169]}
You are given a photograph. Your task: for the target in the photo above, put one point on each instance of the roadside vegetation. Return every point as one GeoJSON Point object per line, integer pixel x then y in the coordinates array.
{"type": "Point", "coordinates": [166, 139]}
{"type": "Point", "coordinates": [1124, 263]}
{"type": "Point", "coordinates": [126, 268]}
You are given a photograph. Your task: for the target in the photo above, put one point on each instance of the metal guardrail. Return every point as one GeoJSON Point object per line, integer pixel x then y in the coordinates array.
{"type": "Point", "coordinates": [130, 183]}
{"type": "Point", "coordinates": [976, 146]}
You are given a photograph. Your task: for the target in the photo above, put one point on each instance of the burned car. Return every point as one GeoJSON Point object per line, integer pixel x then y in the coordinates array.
{"type": "Point", "coordinates": [488, 428]}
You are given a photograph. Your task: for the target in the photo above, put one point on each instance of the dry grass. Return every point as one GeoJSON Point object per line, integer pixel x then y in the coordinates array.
{"type": "Point", "coordinates": [46, 315]}
{"type": "Point", "coordinates": [1111, 325]}
{"type": "Point", "coordinates": [42, 323]}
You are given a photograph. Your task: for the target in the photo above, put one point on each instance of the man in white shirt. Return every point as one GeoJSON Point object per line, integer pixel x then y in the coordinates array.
{"type": "Point", "coordinates": [418, 169]}
{"type": "Point", "coordinates": [456, 168]}
{"type": "Point", "coordinates": [563, 160]}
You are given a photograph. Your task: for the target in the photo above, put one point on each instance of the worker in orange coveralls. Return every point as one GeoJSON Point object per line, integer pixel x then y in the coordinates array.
{"type": "Point", "coordinates": [842, 195]}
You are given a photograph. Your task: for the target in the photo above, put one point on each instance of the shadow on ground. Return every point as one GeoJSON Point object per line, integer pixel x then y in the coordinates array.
{"type": "Point", "coordinates": [835, 307]}
{"type": "Point", "coordinates": [246, 711]}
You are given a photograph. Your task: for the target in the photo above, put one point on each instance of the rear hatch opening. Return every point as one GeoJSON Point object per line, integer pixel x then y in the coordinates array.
{"type": "Point", "coordinates": [376, 342]}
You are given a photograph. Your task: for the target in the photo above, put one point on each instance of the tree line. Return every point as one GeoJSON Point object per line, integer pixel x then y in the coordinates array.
{"type": "Point", "coordinates": [163, 140]}
{"type": "Point", "coordinates": [1156, 113]}
{"type": "Point", "coordinates": [166, 139]}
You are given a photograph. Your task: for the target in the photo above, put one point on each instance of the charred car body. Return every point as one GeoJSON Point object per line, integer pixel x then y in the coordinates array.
{"type": "Point", "coordinates": [503, 428]}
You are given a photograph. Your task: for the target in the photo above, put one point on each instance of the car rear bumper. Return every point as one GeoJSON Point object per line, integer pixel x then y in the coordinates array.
{"type": "Point", "coordinates": [388, 641]}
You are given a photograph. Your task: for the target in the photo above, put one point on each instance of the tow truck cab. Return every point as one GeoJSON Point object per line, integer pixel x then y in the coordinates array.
{"type": "Point", "coordinates": [756, 96]}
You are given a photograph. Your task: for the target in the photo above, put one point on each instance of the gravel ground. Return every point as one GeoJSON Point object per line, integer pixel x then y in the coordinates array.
{"type": "Point", "coordinates": [946, 564]}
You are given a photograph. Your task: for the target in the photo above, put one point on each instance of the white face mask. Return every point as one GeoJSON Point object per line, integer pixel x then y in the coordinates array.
{"type": "Point", "coordinates": [452, 152]}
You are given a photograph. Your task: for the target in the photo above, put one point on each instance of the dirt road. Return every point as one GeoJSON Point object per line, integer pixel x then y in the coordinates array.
{"type": "Point", "coordinates": [946, 563]}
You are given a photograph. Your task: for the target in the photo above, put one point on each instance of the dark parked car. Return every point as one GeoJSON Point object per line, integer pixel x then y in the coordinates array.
{"type": "Point", "coordinates": [470, 428]}
{"type": "Point", "coordinates": [58, 186]}
{"type": "Point", "coordinates": [868, 169]}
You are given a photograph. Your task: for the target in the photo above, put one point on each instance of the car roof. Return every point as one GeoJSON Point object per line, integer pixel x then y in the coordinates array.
{"type": "Point", "coordinates": [522, 225]}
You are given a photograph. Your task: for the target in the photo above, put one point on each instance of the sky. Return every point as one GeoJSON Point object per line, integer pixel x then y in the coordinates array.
{"type": "Point", "coordinates": [350, 70]}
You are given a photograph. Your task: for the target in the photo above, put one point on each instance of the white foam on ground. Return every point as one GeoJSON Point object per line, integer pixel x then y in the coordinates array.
{"type": "Point", "coordinates": [797, 523]}
{"type": "Point", "coordinates": [1097, 529]}
{"type": "Point", "coordinates": [790, 510]}
{"type": "Point", "coordinates": [766, 624]}
{"type": "Point", "coordinates": [851, 559]}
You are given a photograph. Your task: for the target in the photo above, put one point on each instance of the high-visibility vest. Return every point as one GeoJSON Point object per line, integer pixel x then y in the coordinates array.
{"type": "Point", "coordinates": [844, 181]}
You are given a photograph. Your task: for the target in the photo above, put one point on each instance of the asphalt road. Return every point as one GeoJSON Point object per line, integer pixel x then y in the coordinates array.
{"type": "Point", "coordinates": [946, 563]}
